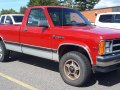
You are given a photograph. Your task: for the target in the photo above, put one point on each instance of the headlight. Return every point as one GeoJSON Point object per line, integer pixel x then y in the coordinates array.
{"type": "Point", "coordinates": [107, 44]}
{"type": "Point", "coordinates": [105, 47]}
{"type": "Point", "coordinates": [108, 47]}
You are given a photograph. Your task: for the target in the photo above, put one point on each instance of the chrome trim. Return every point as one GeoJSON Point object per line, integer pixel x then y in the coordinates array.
{"type": "Point", "coordinates": [55, 55]}
{"type": "Point", "coordinates": [33, 50]}
{"type": "Point", "coordinates": [106, 64]}
{"type": "Point", "coordinates": [11, 42]}
{"type": "Point", "coordinates": [114, 45]}
{"type": "Point", "coordinates": [78, 46]}
{"type": "Point", "coordinates": [111, 47]}
{"type": "Point", "coordinates": [35, 46]}
{"type": "Point", "coordinates": [116, 51]}
{"type": "Point", "coordinates": [31, 45]}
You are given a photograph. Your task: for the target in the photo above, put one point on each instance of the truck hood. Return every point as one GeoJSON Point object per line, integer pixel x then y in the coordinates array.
{"type": "Point", "coordinates": [104, 33]}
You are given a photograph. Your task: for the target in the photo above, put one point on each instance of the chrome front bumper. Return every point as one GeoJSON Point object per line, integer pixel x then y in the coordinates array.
{"type": "Point", "coordinates": [107, 63]}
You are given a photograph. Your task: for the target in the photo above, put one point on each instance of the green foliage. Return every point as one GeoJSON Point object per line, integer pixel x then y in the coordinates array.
{"type": "Point", "coordinates": [78, 4]}
{"type": "Point", "coordinates": [86, 4]}
{"type": "Point", "coordinates": [42, 2]}
{"type": "Point", "coordinates": [22, 10]}
{"type": "Point", "coordinates": [10, 11]}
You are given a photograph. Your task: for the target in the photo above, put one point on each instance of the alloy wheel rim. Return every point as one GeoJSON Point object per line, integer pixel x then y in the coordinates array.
{"type": "Point", "coordinates": [72, 69]}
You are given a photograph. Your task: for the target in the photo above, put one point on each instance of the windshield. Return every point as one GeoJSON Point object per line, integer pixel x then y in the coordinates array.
{"type": "Point", "coordinates": [67, 17]}
{"type": "Point", "coordinates": [18, 19]}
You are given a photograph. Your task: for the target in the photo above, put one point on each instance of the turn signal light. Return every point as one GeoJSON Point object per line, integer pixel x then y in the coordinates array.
{"type": "Point", "coordinates": [102, 48]}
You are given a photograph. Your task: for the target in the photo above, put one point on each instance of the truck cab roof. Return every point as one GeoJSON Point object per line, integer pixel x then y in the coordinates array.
{"type": "Point", "coordinates": [11, 18]}
{"type": "Point", "coordinates": [12, 15]}
{"type": "Point", "coordinates": [48, 7]}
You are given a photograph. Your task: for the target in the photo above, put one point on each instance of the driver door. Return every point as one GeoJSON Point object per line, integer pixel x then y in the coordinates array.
{"type": "Point", "coordinates": [35, 41]}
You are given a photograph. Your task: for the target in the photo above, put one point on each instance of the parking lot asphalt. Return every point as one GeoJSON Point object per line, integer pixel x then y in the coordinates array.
{"type": "Point", "coordinates": [25, 72]}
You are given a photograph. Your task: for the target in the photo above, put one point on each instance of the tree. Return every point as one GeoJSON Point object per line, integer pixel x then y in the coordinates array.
{"type": "Point", "coordinates": [86, 4]}
{"type": "Point", "coordinates": [42, 2]}
{"type": "Point", "coordinates": [22, 10]}
{"type": "Point", "coordinates": [10, 11]}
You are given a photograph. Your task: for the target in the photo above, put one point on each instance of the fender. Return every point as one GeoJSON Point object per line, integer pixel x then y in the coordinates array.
{"type": "Point", "coordinates": [79, 45]}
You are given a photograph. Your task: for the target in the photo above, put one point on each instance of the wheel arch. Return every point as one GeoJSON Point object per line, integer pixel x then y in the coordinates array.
{"type": "Point", "coordinates": [77, 47]}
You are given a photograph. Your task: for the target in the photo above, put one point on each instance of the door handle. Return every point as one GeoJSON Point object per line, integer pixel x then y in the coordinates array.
{"type": "Point", "coordinates": [25, 29]}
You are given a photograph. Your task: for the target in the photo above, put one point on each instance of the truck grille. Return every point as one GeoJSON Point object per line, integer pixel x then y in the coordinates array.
{"type": "Point", "coordinates": [116, 45]}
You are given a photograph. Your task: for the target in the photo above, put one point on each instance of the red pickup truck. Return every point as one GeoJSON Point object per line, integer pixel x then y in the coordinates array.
{"type": "Point", "coordinates": [64, 35]}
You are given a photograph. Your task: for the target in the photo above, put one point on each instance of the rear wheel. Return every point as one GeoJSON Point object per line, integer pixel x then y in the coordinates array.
{"type": "Point", "coordinates": [75, 68]}
{"type": "Point", "coordinates": [4, 53]}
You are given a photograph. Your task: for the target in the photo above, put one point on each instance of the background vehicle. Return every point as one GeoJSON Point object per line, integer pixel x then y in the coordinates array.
{"type": "Point", "coordinates": [11, 19]}
{"type": "Point", "coordinates": [64, 35]}
{"type": "Point", "coordinates": [110, 20]}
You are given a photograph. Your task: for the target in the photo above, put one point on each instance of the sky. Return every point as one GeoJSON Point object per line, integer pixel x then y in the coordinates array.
{"type": "Point", "coordinates": [14, 4]}
{"type": "Point", "coordinates": [107, 3]}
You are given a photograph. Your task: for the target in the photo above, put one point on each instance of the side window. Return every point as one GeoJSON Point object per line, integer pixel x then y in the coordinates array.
{"type": "Point", "coordinates": [8, 20]}
{"type": "Point", "coordinates": [2, 20]}
{"type": "Point", "coordinates": [117, 18]}
{"type": "Point", "coordinates": [106, 18]}
{"type": "Point", "coordinates": [36, 18]}
{"type": "Point", "coordinates": [73, 18]}
{"type": "Point", "coordinates": [55, 16]}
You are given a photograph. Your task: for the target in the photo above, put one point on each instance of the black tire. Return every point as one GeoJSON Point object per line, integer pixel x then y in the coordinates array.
{"type": "Point", "coordinates": [4, 53]}
{"type": "Point", "coordinates": [85, 68]}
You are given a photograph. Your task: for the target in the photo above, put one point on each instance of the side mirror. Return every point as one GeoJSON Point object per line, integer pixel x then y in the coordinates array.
{"type": "Point", "coordinates": [8, 22]}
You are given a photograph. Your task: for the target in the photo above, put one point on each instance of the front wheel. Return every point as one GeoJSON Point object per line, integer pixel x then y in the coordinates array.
{"type": "Point", "coordinates": [75, 68]}
{"type": "Point", "coordinates": [4, 53]}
